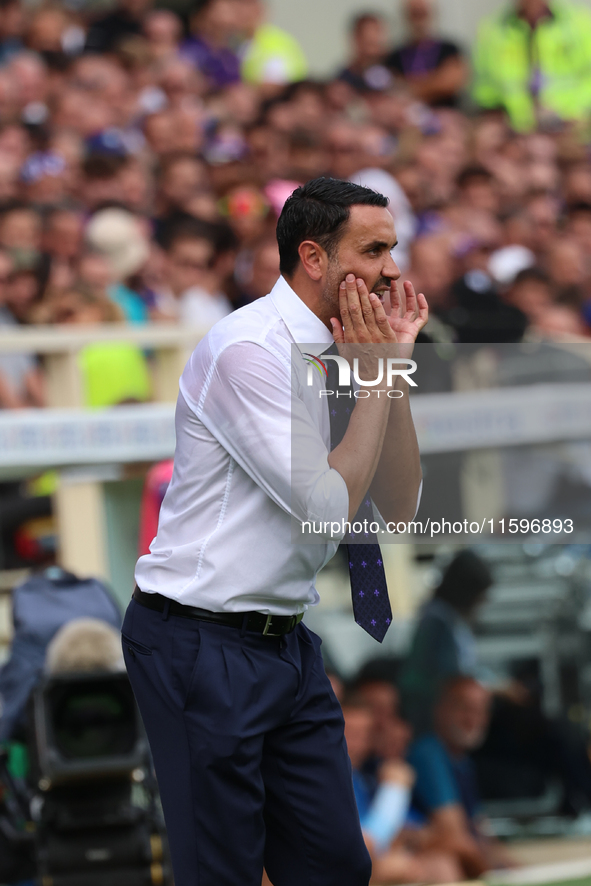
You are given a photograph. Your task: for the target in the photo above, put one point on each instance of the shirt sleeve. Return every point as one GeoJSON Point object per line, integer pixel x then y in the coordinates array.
{"type": "Point", "coordinates": [387, 814]}
{"type": "Point", "coordinates": [248, 405]}
{"type": "Point", "coordinates": [435, 786]}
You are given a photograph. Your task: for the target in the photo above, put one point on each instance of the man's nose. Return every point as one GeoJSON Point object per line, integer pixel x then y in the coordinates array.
{"type": "Point", "coordinates": [391, 269]}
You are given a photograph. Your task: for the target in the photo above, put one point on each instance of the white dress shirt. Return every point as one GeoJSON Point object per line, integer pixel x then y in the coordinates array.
{"type": "Point", "coordinates": [224, 539]}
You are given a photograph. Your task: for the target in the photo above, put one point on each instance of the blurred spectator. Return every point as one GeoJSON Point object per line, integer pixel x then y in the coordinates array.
{"type": "Point", "coordinates": [118, 236]}
{"type": "Point", "coordinates": [476, 189]}
{"type": "Point", "coordinates": [113, 372]}
{"type": "Point", "coordinates": [369, 45]}
{"type": "Point", "coordinates": [269, 55]}
{"type": "Point", "coordinates": [61, 244]}
{"type": "Point", "coordinates": [433, 68]}
{"type": "Point", "coordinates": [163, 30]}
{"type": "Point", "coordinates": [262, 274]}
{"type": "Point", "coordinates": [534, 295]}
{"type": "Point", "coordinates": [432, 270]}
{"type": "Point", "coordinates": [247, 211]}
{"type": "Point", "coordinates": [12, 26]}
{"type": "Point", "coordinates": [77, 304]}
{"type": "Point", "coordinates": [20, 229]}
{"type": "Point", "coordinates": [577, 184]}
{"type": "Point", "coordinates": [542, 211]}
{"type": "Point", "coordinates": [157, 482]}
{"type": "Point", "coordinates": [24, 288]}
{"type": "Point", "coordinates": [382, 811]}
{"type": "Point", "coordinates": [191, 292]}
{"type": "Point", "coordinates": [51, 34]}
{"type": "Point", "coordinates": [443, 645]}
{"type": "Point", "coordinates": [380, 695]}
{"type": "Point", "coordinates": [85, 644]}
{"type": "Point", "coordinates": [181, 178]}
{"type": "Point", "coordinates": [181, 84]}
{"type": "Point", "coordinates": [383, 801]}
{"type": "Point", "coordinates": [521, 66]}
{"type": "Point", "coordinates": [41, 606]}
{"type": "Point", "coordinates": [579, 228]}
{"type": "Point", "coordinates": [525, 750]}
{"type": "Point", "coordinates": [507, 261]}
{"type": "Point", "coordinates": [531, 292]}
{"type": "Point", "coordinates": [445, 790]}
{"type": "Point", "coordinates": [213, 26]}
{"type": "Point", "coordinates": [29, 76]}
{"type": "Point", "coordinates": [21, 380]}
{"type": "Point", "coordinates": [567, 271]}
{"type": "Point", "coordinates": [43, 178]}
{"type": "Point", "coordinates": [475, 309]}
{"type": "Point", "coordinates": [108, 31]}
{"type": "Point", "coordinates": [101, 179]}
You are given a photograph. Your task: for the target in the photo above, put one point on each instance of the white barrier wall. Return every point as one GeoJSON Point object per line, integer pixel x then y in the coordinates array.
{"type": "Point", "coordinates": [321, 25]}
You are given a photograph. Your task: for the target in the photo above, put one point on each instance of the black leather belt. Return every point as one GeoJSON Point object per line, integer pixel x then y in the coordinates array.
{"type": "Point", "coordinates": [268, 625]}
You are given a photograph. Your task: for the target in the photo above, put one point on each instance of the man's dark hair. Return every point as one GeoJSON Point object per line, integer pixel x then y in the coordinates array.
{"type": "Point", "coordinates": [319, 211]}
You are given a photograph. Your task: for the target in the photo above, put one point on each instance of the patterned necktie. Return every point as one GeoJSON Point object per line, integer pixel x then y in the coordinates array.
{"type": "Point", "coordinates": [369, 591]}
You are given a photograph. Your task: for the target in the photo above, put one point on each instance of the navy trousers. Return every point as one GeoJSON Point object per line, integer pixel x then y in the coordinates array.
{"type": "Point", "coordinates": [249, 751]}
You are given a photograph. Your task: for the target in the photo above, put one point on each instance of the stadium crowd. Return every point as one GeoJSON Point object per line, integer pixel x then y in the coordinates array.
{"type": "Point", "coordinates": [144, 159]}
{"type": "Point", "coordinates": [431, 735]}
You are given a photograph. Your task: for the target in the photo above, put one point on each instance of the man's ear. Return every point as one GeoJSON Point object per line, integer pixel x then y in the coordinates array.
{"type": "Point", "coordinates": [313, 259]}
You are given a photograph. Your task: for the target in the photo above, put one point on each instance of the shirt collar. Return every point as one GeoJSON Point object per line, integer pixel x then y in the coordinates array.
{"type": "Point", "coordinates": [303, 324]}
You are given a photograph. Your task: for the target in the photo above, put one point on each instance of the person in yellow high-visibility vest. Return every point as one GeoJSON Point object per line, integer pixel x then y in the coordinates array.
{"type": "Point", "coordinates": [533, 58]}
{"type": "Point", "coordinates": [269, 55]}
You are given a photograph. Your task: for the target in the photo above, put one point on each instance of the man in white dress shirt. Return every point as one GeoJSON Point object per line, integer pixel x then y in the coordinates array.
{"type": "Point", "coordinates": [246, 734]}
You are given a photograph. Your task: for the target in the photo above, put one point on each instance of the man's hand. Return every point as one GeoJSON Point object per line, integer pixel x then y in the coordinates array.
{"type": "Point", "coordinates": [363, 318]}
{"type": "Point", "coordinates": [359, 457]}
{"type": "Point", "coordinates": [409, 313]}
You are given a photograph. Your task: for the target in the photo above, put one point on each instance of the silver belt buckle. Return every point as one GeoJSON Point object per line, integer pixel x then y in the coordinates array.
{"type": "Point", "coordinates": [266, 631]}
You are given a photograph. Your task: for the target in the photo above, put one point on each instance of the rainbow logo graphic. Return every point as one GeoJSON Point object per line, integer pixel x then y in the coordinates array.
{"type": "Point", "coordinates": [315, 363]}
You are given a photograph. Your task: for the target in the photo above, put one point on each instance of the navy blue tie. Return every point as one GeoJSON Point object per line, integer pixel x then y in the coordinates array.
{"type": "Point", "coordinates": [369, 590]}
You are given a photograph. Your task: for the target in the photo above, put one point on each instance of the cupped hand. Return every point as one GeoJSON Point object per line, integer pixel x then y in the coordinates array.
{"type": "Point", "coordinates": [365, 319]}
{"type": "Point", "coordinates": [409, 312]}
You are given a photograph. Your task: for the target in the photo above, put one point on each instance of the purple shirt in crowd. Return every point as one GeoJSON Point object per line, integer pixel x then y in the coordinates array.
{"type": "Point", "coordinates": [220, 65]}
